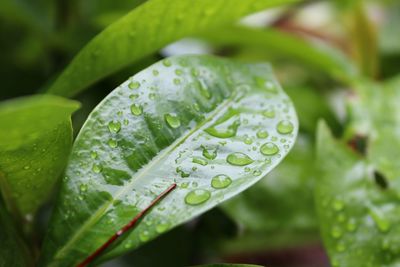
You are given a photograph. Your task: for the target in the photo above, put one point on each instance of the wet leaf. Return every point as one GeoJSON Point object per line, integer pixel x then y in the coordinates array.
{"type": "Point", "coordinates": [212, 126]}
{"type": "Point", "coordinates": [35, 141]}
{"type": "Point", "coordinates": [359, 218]}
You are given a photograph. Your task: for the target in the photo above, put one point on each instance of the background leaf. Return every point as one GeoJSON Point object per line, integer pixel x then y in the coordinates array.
{"type": "Point", "coordinates": [13, 252]}
{"type": "Point", "coordinates": [35, 140]}
{"type": "Point", "coordinates": [359, 215]}
{"type": "Point", "coordinates": [184, 120]}
{"type": "Point", "coordinates": [133, 37]}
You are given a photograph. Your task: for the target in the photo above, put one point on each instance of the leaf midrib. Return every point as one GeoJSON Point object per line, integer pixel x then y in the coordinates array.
{"type": "Point", "coordinates": [102, 209]}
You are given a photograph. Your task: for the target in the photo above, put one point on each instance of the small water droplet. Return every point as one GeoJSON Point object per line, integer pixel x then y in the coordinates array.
{"type": "Point", "coordinates": [351, 225]}
{"type": "Point", "coordinates": [248, 141]}
{"type": "Point", "coordinates": [134, 85]}
{"type": "Point", "coordinates": [381, 222]}
{"type": "Point", "coordinates": [262, 134]}
{"type": "Point", "coordinates": [155, 72]}
{"type": "Point", "coordinates": [112, 143]}
{"type": "Point", "coordinates": [239, 159]}
{"type": "Point", "coordinates": [269, 149]}
{"type": "Point", "coordinates": [177, 81]}
{"type": "Point", "coordinates": [285, 127]}
{"type": "Point", "coordinates": [256, 172]}
{"type": "Point", "coordinates": [197, 197]}
{"type": "Point", "coordinates": [200, 161]}
{"type": "Point", "coordinates": [144, 236]}
{"type": "Point", "coordinates": [166, 62]}
{"type": "Point", "coordinates": [195, 72]}
{"type": "Point", "coordinates": [338, 205]}
{"type": "Point", "coordinates": [152, 96]}
{"type": "Point", "coordinates": [269, 113]}
{"type": "Point", "coordinates": [93, 155]}
{"type": "Point", "coordinates": [114, 126]}
{"type": "Point", "coordinates": [184, 185]}
{"type": "Point", "coordinates": [162, 227]}
{"type": "Point", "coordinates": [27, 167]}
{"type": "Point", "coordinates": [83, 188]}
{"type": "Point", "coordinates": [136, 109]}
{"type": "Point", "coordinates": [209, 153]}
{"type": "Point", "coordinates": [221, 181]}
{"type": "Point", "coordinates": [178, 72]}
{"type": "Point", "coordinates": [181, 172]}
{"type": "Point", "coordinates": [336, 232]}
{"type": "Point", "coordinates": [172, 120]}
{"type": "Point", "coordinates": [96, 168]}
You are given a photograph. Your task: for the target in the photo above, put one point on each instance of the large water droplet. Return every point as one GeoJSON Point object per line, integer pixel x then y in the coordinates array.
{"type": "Point", "coordinates": [269, 149]}
{"type": "Point", "coordinates": [114, 126]}
{"type": "Point", "coordinates": [239, 159]}
{"type": "Point", "coordinates": [134, 85]}
{"type": "Point", "coordinates": [172, 120]}
{"type": "Point", "coordinates": [209, 153]}
{"type": "Point", "coordinates": [197, 197]}
{"type": "Point", "coordinates": [200, 161]}
{"type": "Point", "coordinates": [226, 126]}
{"type": "Point", "coordinates": [285, 127]}
{"type": "Point", "coordinates": [136, 109]}
{"type": "Point", "coordinates": [221, 181]}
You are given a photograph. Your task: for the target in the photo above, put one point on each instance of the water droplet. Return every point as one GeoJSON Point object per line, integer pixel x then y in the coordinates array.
{"type": "Point", "coordinates": [133, 96]}
{"type": "Point", "coordinates": [155, 72]}
{"type": "Point", "coordinates": [381, 222]}
{"type": "Point", "coordinates": [351, 225]}
{"type": "Point", "coordinates": [239, 159]}
{"type": "Point", "coordinates": [177, 81]}
{"type": "Point", "coordinates": [26, 167]}
{"type": "Point", "coordinates": [200, 161]}
{"type": "Point", "coordinates": [340, 247]}
{"type": "Point", "coordinates": [338, 205]}
{"type": "Point", "coordinates": [114, 126]}
{"type": "Point", "coordinates": [136, 109]}
{"type": "Point", "coordinates": [96, 168]}
{"type": "Point", "coordinates": [221, 181]}
{"type": "Point", "coordinates": [269, 113]}
{"type": "Point", "coordinates": [248, 141]}
{"type": "Point", "coordinates": [83, 188]}
{"type": "Point", "coordinates": [172, 120]}
{"type": "Point", "coordinates": [182, 173]}
{"type": "Point", "coordinates": [262, 134]}
{"type": "Point", "coordinates": [112, 143]}
{"type": "Point", "coordinates": [266, 85]}
{"type": "Point", "coordinates": [195, 72]}
{"type": "Point", "coordinates": [166, 62]}
{"type": "Point", "coordinates": [93, 155]}
{"type": "Point", "coordinates": [134, 85]}
{"type": "Point", "coordinates": [197, 197]}
{"type": "Point", "coordinates": [256, 172]}
{"type": "Point", "coordinates": [336, 232]}
{"type": "Point", "coordinates": [162, 227]}
{"type": "Point", "coordinates": [225, 127]}
{"type": "Point", "coordinates": [269, 149]}
{"type": "Point", "coordinates": [152, 96]}
{"type": "Point", "coordinates": [144, 236]}
{"type": "Point", "coordinates": [184, 185]}
{"type": "Point", "coordinates": [285, 127]}
{"type": "Point", "coordinates": [178, 72]}
{"type": "Point", "coordinates": [209, 153]}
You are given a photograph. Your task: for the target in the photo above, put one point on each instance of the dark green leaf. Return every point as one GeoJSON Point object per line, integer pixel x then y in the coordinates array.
{"type": "Point", "coordinates": [13, 251]}
{"type": "Point", "coordinates": [145, 30]}
{"type": "Point", "coordinates": [153, 131]}
{"type": "Point", "coordinates": [322, 58]}
{"type": "Point", "coordinates": [359, 217]}
{"type": "Point", "coordinates": [35, 140]}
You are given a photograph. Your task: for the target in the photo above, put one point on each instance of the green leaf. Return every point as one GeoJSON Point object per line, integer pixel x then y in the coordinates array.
{"type": "Point", "coordinates": [228, 265]}
{"type": "Point", "coordinates": [145, 30]}
{"type": "Point", "coordinates": [288, 216]}
{"type": "Point", "coordinates": [181, 120]}
{"type": "Point", "coordinates": [13, 252]}
{"type": "Point", "coordinates": [321, 58]}
{"type": "Point", "coordinates": [35, 140]}
{"type": "Point", "coordinates": [359, 216]}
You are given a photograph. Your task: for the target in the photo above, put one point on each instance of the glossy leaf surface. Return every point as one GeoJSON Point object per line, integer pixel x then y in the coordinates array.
{"type": "Point", "coordinates": [212, 126]}
{"type": "Point", "coordinates": [278, 210]}
{"type": "Point", "coordinates": [35, 141]}
{"type": "Point", "coordinates": [359, 214]}
{"type": "Point", "coordinates": [145, 30]}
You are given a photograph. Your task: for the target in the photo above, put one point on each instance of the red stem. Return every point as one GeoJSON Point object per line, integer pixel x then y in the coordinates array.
{"type": "Point", "coordinates": [126, 228]}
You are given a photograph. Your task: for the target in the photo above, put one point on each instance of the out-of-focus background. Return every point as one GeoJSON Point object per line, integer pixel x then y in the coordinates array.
{"type": "Point", "coordinates": [273, 223]}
